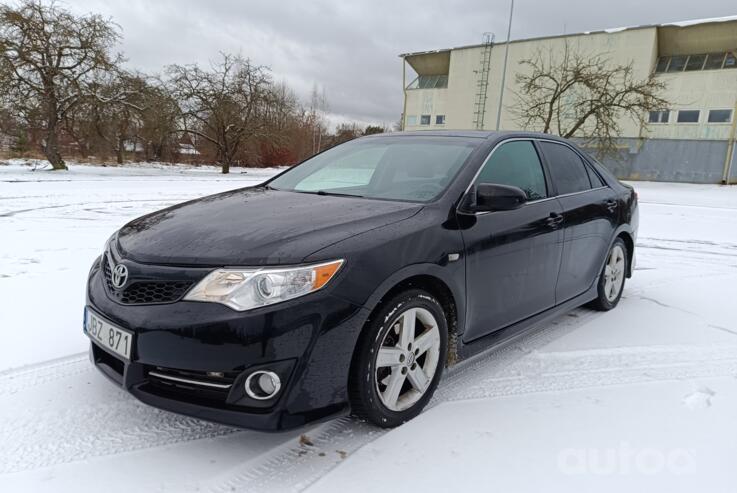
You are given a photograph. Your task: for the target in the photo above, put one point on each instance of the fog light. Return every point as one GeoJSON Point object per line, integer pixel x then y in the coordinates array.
{"type": "Point", "coordinates": [262, 385]}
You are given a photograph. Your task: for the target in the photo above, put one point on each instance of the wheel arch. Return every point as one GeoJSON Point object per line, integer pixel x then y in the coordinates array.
{"type": "Point", "coordinates": [435, 280]}
{"type": "Point", "coordinates": [629, 242]}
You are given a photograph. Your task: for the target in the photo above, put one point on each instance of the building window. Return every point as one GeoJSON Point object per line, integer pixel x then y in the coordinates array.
{"type": "Point", "coordinates": [688, 116]}
{"type": "Point", "coordinates": [692, 63]}
{"type": "Point", "coordinates": [662, 64]}
{"type": "Point", "coordinates": [720, 116]}
{"type": "Point", "coordinates": [730, 61]}
{"type": "Point", "coordinates": [677, 63]}
{"type": "Point", "coordinates": [411, 119]}
{"type": "Point", "coordinates": [429, 82]}
{"type": "Point", "coordinates": [439, 119]}
{"type": "Point", "coordinates": [659, 116]}
{"type": "Point", "coordinates": [714, 61]}
{"type": "Point", "coordinates": [425, 120]}
{"type": "Point", "coordinates": [695, 62]}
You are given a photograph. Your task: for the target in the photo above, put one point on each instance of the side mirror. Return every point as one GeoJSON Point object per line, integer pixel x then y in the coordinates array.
{"type": "Point", "coordinates": [493, 197]}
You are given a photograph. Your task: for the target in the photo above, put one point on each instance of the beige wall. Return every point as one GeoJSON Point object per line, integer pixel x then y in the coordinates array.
{"type": "Point", "coordinates": [702, 90]}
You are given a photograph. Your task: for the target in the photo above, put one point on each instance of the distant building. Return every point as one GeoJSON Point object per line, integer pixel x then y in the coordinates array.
{"type": "Point", "coordinates": [459, 88]}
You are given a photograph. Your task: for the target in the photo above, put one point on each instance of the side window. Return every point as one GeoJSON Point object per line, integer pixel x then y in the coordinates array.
{"type": "Point", "coordinates": [516, 163]}
{"type": "Point", "coordinates": [566, 168]}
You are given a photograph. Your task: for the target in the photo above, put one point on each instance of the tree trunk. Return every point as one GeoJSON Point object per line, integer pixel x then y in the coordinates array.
{"type": "Point", "coordinates": [119, 150]}
{"type": "Point", "coordinates": [224, 159]}
{"type": "Point", "coordinates": [51, 148]}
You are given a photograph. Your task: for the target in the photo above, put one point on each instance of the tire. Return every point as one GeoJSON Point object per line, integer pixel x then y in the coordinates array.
{"type": "Point", "coordinates": [609, 293]}
{"type": "Point", "coordinates": [390, 361]}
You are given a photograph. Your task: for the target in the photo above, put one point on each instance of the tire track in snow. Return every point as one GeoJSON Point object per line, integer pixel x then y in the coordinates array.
{"type": "Point", "coordinates": [116, 423]}
{"type": "Point", "coordinates": [515, 369]}
{"type": "Point", "coordinates": [17, 379]}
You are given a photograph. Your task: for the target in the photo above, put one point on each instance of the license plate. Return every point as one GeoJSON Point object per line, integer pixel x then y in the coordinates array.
{"type": "Point", "coordinates": [107, 335]}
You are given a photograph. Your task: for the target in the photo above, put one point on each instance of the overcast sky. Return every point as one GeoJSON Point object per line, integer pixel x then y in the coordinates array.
{"type": "Point", "coordinates": [350, 47]}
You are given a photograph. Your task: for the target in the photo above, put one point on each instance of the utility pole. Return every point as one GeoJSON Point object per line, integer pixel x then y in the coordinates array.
{"type": "Point", "coordinates": [504, 69]}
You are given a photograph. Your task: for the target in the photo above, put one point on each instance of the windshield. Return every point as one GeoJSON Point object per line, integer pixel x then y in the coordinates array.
{"type": "Point", "coordinates": [415, 169]}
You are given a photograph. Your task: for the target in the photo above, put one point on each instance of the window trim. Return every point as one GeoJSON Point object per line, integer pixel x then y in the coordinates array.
{"type": "Point", "coordinates": [697, 122]}
{"type": "Point", "coordinates": [670, 64]}
{"type": "Point", "coordinates": [666, 122]}
{"type": "Point", "coordinates": [657, 62]}
{"type": "Point", "coordinates": [584, 162]}
{"type": "Point", "coordinates": [729, 122]}
{"type": "Point", "coordinates": [540, 158]}
{"type": "Point", "coordinates": [546, 172]}
{"type": "Point", "coordinates": [709, 58]}
{"type": "Point", "coordinates": [688, 62]}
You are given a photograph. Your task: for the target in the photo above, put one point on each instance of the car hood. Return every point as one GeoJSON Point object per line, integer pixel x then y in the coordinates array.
{"type": "Point", "coordinates": [253, 226]}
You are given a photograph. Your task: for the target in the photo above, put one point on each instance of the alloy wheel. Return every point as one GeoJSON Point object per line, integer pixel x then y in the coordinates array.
{"type": "Point", "coordinates": [407, 359]}
{"type": "Point", "coordinates": [614, 273]}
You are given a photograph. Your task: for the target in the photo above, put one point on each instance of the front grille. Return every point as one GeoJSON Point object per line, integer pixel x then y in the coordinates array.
{"type": "Point", "coordinates": [145, 292]}
{"type": "Point", "coordinates": [191, 386]}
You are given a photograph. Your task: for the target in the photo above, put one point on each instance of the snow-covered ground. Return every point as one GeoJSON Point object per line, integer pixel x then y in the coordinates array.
{"type": "Point", "coordinates": [642, 398]}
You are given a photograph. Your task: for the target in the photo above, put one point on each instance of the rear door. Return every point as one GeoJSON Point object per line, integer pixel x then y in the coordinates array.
{"type": "Point", "coordinates": [589, 218]}
{"type": "Point", "coordinates": [512, 257]}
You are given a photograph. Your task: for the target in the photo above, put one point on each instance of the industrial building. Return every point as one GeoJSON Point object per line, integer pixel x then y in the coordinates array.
{"type": "Point", "coordinates": [692, 141]}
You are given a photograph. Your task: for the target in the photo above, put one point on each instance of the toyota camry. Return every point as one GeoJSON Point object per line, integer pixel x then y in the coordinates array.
{"type": "Point", "coordinates": [347, 283]}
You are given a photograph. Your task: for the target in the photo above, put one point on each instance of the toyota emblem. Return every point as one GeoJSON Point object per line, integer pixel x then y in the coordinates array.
{"type": "Point", "coordinates": [120, 276]}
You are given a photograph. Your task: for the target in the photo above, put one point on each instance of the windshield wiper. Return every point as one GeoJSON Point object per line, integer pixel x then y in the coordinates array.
{"type": "Point", "coordinates": [338, 194]}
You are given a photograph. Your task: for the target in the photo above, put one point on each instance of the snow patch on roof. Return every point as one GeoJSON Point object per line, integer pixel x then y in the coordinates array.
{"type": "Point", "coordinates": [702, 21]}
{"type": "Point", "coordinates": [692, 22]}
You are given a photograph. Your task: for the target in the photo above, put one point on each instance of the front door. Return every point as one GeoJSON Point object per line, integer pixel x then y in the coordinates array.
{"type": "Point", "coordinates": [512, 257]}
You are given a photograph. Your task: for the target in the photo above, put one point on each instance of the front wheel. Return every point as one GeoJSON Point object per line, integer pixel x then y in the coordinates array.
{"type": "Point", "coordinates": [611, 281]}
{"type": "Point", "coordinates": [399, 359]}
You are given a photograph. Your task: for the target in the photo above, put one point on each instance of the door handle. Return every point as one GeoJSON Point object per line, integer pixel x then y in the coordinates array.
{"type": "Point", "coordinates": [554, 220]}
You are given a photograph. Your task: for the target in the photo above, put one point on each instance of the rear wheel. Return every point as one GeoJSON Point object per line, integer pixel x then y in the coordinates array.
{"type": "Point", "coordinates": [611, 281]}
{"type": "Point", "coordinates": [399, 359]}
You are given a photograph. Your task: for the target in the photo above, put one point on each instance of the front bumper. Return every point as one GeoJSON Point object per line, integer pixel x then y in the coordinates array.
{"type": "Point", "coordinates": [308, 342]}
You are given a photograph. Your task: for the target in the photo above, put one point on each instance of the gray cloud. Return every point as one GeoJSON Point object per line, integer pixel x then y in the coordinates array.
{"type": "Point", "coordinates": [351, 48]}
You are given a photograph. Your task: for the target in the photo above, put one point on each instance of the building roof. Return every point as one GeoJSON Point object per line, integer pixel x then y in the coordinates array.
{"type": "Point", "coordinates": [687, 23]}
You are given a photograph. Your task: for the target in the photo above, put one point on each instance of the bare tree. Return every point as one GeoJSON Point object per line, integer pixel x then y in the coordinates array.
{"type": "Point", "coordinates": [159, 122]}
{"type": "Point", "coordinates": [110, 116]}
{"type": "Point", "coordinates": [224, 105]}
{"type": "Point", "coordinates": [316, 115]}
{"type": "Point", "coordinates": [575, 95]}
{"type": "Point", "coordinates": [51, 56]}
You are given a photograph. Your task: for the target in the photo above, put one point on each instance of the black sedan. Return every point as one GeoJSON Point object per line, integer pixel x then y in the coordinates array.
{"type": "Point", "coordinates": [347, 283]}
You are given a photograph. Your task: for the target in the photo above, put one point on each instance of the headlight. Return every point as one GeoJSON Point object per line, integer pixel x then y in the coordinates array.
{"type": "Point", "coordinates": [245, 289]}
